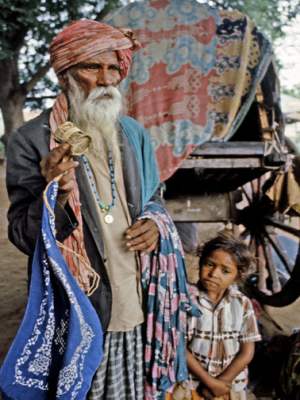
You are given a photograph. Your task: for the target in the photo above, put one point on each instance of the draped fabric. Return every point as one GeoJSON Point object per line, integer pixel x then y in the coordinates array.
{"type": "Point", "coordinates": [163, 280]}
{"type": "Point", "coordinates": [168, 304]}
{"type": "Point", "coordinates": [75, 241]}
{"type": "Point", "coordinates": [139, 138]}
{"type": "Point", "coordinates": [84, 39]}
{"type": "Point", "coordinates": [195, 76]}
{"type": "Point", "coordinates": [59, 344]}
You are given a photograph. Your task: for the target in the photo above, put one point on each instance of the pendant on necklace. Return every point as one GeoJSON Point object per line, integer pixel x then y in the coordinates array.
{"type": "Point", "coordinates": [108, 219]}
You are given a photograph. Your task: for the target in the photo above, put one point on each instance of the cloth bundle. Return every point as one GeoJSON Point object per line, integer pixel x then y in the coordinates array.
{"type": "Point", "coordinates": [59, 344]}
{"type": "Point", "coordinates": [168, 303]}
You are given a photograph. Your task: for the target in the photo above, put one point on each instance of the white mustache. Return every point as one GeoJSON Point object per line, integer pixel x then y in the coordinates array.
{"type": "Point", "coordinates": [107, 92]}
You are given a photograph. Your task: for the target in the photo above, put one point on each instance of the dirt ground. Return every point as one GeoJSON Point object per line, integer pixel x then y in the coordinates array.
{"type": "Point", "coordinates": [13, 275]}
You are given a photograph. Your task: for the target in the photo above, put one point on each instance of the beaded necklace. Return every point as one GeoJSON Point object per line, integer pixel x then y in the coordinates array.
{"type": "Point", "coordinates": [105, 208]}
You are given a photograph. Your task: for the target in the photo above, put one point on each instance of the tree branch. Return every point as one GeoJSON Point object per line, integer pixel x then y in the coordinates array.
{"type": "Point", "coordinates": [109, 6]}
{"type": "Point", "coordinates": [39, 98]}
{"type": "Point", "coordinates": [40, 73]}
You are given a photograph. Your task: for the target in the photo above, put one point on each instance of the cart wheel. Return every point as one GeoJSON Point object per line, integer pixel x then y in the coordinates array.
{"type": "Point", "coordinates": [273, 238]}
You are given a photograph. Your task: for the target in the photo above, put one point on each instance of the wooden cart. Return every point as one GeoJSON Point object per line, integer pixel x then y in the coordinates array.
{"type": "Point", "coordinates": [205, 86]}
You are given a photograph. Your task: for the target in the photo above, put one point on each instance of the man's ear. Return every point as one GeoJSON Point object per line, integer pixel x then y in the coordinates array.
{"type": "Point", "coordinates": [63, 81]}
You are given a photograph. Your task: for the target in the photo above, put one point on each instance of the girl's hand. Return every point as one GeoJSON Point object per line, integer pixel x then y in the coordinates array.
{"type": "Point", "coordinates": [206, 394]}
{"type": "Point", "coordinates": [219, 387]}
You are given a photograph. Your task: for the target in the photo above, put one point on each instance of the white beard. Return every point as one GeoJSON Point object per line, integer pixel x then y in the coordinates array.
{"type": "Point", "coordinates": [96, 115]}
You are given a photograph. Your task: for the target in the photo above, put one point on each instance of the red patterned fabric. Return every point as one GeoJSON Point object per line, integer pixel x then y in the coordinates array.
{"type": "Point", "coordinates": [195, 76]}
{"type": "Point", "coordinates": [85, 39]}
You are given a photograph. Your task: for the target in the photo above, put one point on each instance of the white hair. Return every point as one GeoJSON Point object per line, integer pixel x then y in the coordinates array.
{"type": "Point", "coordinates": [96, 114]}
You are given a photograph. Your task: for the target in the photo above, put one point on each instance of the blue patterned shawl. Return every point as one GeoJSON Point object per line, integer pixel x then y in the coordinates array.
{"type": "Point", "coordinates": [59, 344]}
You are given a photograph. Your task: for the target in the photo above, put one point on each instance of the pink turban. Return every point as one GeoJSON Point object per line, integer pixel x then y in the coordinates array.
{"type": "Point", "coordinates": [85, 39]}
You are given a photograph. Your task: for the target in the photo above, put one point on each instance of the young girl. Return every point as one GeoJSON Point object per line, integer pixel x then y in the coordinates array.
{"type": "Point", "coordinates": [221, 341]}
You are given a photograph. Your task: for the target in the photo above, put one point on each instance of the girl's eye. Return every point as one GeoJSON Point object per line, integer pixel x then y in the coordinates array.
{"type": "Point", "coordinates": [209, 264]}
{"type": "Point", "coordinates": [226, 271]}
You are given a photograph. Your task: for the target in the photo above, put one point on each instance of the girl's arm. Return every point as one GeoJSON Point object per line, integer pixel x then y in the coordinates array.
{"type": "Point", "coordinates": [216, 386]}
{"type": "Point", "coordinates": [239, 363]}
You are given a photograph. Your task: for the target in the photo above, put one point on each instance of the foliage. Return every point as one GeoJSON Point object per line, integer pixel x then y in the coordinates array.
{"type": "Point", "coordinates": [294, 92]}
{"type": "Point", "coordinates": [36, 21]}
{"type": "Point", "coordinates": [27, 27]}
{"type": "Point", "coordinates": [270, 16]}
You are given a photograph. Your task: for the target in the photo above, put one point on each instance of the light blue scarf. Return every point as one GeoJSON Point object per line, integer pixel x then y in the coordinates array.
{"type": "Point", "coordinates": [140, 140]}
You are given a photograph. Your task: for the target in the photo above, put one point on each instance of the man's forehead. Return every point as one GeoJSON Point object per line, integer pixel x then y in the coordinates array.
{"type": "Point", "coordinates": [107, 57]}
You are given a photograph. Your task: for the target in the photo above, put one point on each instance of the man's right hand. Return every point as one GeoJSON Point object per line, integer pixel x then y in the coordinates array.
{"type": "Point", "coordinates": [59, 162]}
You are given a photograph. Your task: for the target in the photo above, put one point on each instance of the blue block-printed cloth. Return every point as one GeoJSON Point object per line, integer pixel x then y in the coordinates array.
{"type": "Point", "coordinates": [59, 344]}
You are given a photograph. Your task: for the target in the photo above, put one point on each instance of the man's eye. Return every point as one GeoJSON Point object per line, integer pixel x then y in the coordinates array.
{"type": "Point", "coordinates": [88, 66]}
{"type": "Point", "coordinates": [92, 66]}
{"type": "Point", "coordinates": [114, 68]}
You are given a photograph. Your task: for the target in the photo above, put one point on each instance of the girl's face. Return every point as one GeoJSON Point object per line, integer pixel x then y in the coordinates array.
{"type": "Point", "coordinates": [218, 272]}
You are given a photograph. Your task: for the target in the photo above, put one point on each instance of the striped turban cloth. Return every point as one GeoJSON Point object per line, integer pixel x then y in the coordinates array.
{"type": "Point", "coordinates": [84, 39]}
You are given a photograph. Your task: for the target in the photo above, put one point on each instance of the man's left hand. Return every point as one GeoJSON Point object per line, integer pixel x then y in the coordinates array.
{"type": "Point", "coordinates": [142, 236]}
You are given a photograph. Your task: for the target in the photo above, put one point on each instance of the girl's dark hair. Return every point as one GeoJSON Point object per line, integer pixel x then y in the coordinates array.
{"type": "Point", "coordinates": [234, 246]}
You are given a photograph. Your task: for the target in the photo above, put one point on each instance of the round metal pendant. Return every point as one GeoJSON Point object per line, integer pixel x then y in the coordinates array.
{"type": "Point", "coordinates": [108, 219]}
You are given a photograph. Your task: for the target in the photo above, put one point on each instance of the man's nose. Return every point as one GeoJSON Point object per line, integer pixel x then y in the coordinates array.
{"type": "Point", "coordinates": [104, 78]}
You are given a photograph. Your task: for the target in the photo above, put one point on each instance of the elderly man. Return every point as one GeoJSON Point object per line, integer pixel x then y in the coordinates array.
{"type": "Point", "coordinates": [100, 193]}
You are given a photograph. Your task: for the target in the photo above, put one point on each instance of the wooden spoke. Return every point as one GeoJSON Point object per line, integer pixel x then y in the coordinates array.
{"type": "Point", "coordinates": [262, 268]}
{"type": "Point", "coordinates": [286, 228]}
{"type": "Point", "coordinates": [248, 198]}
{"type": "Point", "coordinates": [280, 252]}
{"type": "Point", "coordinates": [276, 286]}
